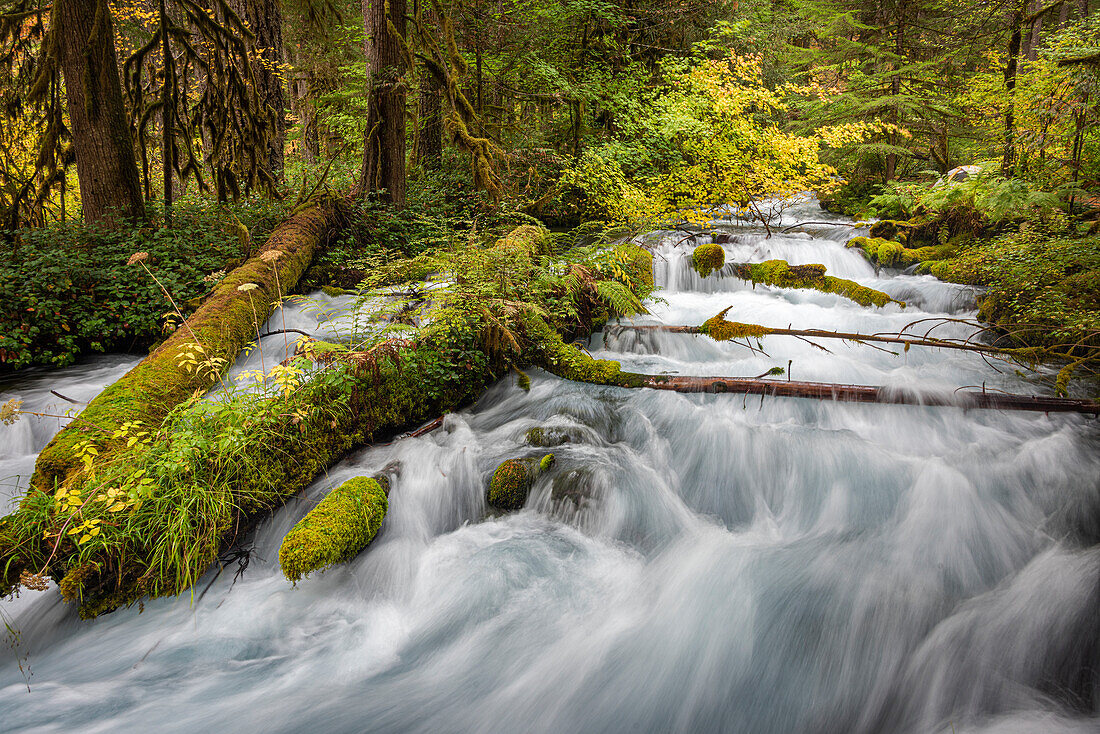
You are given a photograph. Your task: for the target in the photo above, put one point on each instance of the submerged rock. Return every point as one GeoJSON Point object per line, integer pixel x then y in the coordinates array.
{"type": "Point", "coordinates": [512, 481]}
{"type": "Point", "coordinates": [334, 531]}
{"type": "Point", "coordinates": [546, 437]}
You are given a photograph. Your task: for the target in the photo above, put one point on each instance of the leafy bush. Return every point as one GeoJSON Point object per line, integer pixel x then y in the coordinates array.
{"type": "Point", "coordinates": [994, 198]}
{"type": "Point", "coordinates": [66, 289]}
{"type": "Point", "coordinates": [1044, 285]}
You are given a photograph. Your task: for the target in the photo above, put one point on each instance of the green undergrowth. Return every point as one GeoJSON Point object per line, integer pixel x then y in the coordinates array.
{"type": "Point", "coordinates": [152, 516]}
{"type": "Point", "coordinates": [334, 531]}
{"type": "Point", "coordinates": [1043, 286]}
{"type": "Point", "coordinates": [781, 274]}
{"type": "Point", "coordinates": [66, 289]}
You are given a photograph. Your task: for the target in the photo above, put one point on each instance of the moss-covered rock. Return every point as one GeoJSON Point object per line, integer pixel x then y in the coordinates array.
{"type": "Point", "coordinates": [512, 481]}
{"type": "Point", "coordinates": [546, 437]}
{"type": "Point", "coordinates": [336, 530]}
{"type": "Point", "coordinates": [708, 258]}
{"type": "Point", "coordinates": [891, 254]}
{"type": "Point", "coordinates": [784, 275]}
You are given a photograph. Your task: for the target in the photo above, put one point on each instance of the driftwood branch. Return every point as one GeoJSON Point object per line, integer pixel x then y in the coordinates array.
{"type": "Point", "coordinates": [909, 341]}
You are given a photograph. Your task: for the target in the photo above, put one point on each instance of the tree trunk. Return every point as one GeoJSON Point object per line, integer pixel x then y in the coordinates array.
{"type": "Point", "coordinates": [265, 19]}
{"type": "Point", "coordinates": [430, 141]}
{"type": "Point", "coordinates": [105, 162]}
{"type": "Point", "coordinates": [384, 142]}
{"type": "Point", "coordinates": [1009, 160]}
{"type": "Point", "coordinates": [302, 105]}
{"type": "Point", "coordinates": [895, 91]}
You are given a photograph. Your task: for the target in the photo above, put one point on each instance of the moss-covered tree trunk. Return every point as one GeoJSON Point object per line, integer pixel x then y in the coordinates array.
{"type": "Point", "coordinates": [223, 325]}
{"type": "Point", "coordinates": [384, 140]}
{"type": "Point", "coordinates": [105, 161]}
{"type": "Point", "coordinates": [265, 19]}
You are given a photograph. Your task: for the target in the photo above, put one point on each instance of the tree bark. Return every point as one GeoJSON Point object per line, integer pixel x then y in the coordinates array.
{"type": "Point", "coordinates": [265, 19]}
{"type": "Point", "coordinates": [1009, 160]}
{"type": "Point", "coordinates": [106, 165]}
{"type": "Point", "coordinates": [430, 141]}
{"type": "Point", "coordinates": [302, 105]}
{"type": "Point", "coordinates": [384, 142]}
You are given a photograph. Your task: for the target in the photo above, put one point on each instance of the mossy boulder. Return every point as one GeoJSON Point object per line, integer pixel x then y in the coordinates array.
{"type": "Point", "coordinates": [708, 258]}
{"type": "Point", "coordinates": [891, 254]}
{"type": "Point", "coordinates": [512, 481]}
{"type": "Point", "coordinates": [336, 530]}
{"type": "Point", "coordinates": [546, 437]}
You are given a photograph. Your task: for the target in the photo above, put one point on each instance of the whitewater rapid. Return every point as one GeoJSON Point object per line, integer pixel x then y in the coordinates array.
{"type": "Point", "coordinates": [693, 563]}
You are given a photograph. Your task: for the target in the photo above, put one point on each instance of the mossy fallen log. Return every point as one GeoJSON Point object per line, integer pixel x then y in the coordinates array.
{"type": "Point", "coordinates": [719, 329]}
{"type": "Point", "coordinates": [201, 477]}
{"type": "Point", "coordinates": [891, 254]}
{"type": "Point", "coordinates": [336, 530]}
{"type": "Point", "coordinates": [571, 363]}
{"type": "Point", "coordinates": [782, 274]}
{"type": "Point", "coordinates": [208, 342]}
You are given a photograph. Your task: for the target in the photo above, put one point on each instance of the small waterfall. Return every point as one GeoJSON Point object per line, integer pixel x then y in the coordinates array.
{"type": "Point", "coordinates": [692, 563]}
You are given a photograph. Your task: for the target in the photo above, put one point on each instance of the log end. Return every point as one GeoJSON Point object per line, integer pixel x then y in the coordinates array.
{"type": "Point", "coordinates": [336, 530]}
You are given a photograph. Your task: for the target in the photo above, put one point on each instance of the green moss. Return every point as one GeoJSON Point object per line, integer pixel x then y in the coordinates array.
{"type": "Point", "coordinates": [564, 360]}
{"type": "Point", "coordinates": [512, 480]}
{"type": "Point", "coordinates": [783, 275]}
{"type": "Point", "coordinates": [708, 258]}
{"type": "Point", "coordinates": [895, 255]}
{"type": "Point", "coordinates": [720, 330]}
{"type": "Point", "coordinates": [885, 228]}
{"type": "Point", "coordinates": [523, 381]}
{"type": "Point", "coordinates": [332, 291]}
{"type": "Point", "coordinates": [336, 530]}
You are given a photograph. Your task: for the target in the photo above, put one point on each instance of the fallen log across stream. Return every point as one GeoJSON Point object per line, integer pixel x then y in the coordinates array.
{"type": "Point", "coordinates": [869, 394]}
{"type": "Point", "coordinates": [572, 363]}
{"type": "Point", "coordinates": [755, 330]}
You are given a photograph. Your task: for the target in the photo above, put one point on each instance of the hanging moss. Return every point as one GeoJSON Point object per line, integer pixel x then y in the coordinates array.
{"type": "Point", "coordinates": [784, 275]}
{"type": "Point", "coordinates": [336, 530]}
{"type": "Point", "coordinates": [720, 330]}
{"type": "Point", "coordinates": [512, 481]}
{"type": "Point", "coordinates": [708, 258]}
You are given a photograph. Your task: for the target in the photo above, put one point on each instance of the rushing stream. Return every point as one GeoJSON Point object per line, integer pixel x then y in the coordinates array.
{"type": "Point", "coordinates": [693, 563]}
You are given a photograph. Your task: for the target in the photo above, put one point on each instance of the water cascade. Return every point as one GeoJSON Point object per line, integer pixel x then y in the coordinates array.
{"type": "Point", "coordinates": [691, 563]}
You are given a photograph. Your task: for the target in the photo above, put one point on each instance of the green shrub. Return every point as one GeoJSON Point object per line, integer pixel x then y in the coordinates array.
{"type": "Point", "coordinates": [66, 289]}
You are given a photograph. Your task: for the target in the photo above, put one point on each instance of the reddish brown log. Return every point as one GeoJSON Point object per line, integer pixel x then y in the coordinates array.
{"type": "Point", "coordinates": [864, 394]}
